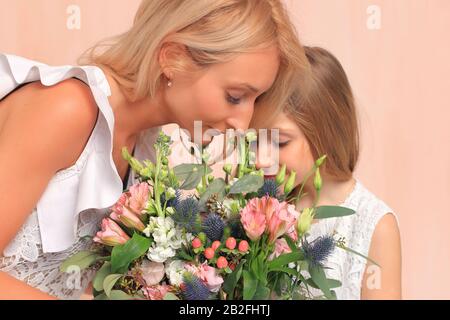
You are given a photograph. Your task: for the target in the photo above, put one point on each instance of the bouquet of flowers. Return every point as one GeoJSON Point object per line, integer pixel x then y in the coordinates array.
{"type": "Point", "coordinates": [238, 237]}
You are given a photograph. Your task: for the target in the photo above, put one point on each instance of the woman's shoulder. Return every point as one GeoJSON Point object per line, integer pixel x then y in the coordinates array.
{"type": "Point", "coordinates": [64, 114]}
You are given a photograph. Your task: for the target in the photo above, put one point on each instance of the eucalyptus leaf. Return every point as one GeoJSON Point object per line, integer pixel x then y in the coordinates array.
{"type": "Point", "coordinates": [319, 278]}
{"type": "Point", "coordinates": [325, 212]}
{"type": "Point", "coordinates": [81, 260]}
{"type": "Point", "coordinates": [182, 171]}
{"type": "Point", "coordinates": [192, 181]}
{"type": "Point", "coordinates": [123, 255]}
{"type": "Point", "coordinates": [170, 296]}
{"type": "Point", "coordinates": [114, 295]}
{"type": "Point", "coordinates": [191, 174]}
{"type": "Point", "coordinates": [120, 295]}
{"type": "Point", "coordinates": [100, 276]}
{"type": "Point", "coordinates": [246, 184]}
{"type": "Point", "coordinates": [109, 282]}
{"type": "Point", "coordinates": [215, 187]}
{"type": "Point", "coordinates": [332, 283]}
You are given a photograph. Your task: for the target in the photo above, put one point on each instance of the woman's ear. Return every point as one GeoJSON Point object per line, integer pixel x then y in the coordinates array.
{"type": "Point", "coordinates": [172, 57]}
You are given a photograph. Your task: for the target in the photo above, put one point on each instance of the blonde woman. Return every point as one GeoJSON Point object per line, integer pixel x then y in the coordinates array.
{"type": "Point", "coordinates": [322, 120]}
{"type": "Point", "coordinates": [62, 128]}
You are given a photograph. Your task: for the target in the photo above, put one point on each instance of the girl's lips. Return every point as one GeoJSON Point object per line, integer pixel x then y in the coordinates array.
{"type": "Point", "coordinates": [270, 177]}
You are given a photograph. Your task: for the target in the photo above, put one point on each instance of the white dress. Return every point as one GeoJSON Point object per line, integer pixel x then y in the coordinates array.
{"type": "Point", "coordinates": [357, 230]}
{"type": "Point", "coordinates": [66, 212]}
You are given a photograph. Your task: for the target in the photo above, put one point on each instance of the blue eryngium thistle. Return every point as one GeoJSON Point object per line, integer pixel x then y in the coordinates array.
{"type": "Point", "coordinates": [174, 202]}
{"type": "Point", "coordinates": [194, 288]}
{"type": "Point", "coordinates": [213, 227]}
{"type": "Point", "coordinates": [270, 189]}
{"type": "Point", "coordinates": [318, 251]}
{"type": "Point", "coordinates": [187, 214]}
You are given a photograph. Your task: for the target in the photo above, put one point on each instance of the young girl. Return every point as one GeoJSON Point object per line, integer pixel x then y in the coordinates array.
{"type": "Point", "coordinates": [321, 119]}
{"type": "Point", "coordinates": [62, 128]}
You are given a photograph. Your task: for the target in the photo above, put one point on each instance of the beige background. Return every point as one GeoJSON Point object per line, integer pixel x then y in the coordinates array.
{"type": "Point", "coordinates": [399, 73]}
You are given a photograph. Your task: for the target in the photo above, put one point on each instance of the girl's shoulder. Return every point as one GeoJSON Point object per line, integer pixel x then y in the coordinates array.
{"type": "Point", "coordinates": [369, 208]}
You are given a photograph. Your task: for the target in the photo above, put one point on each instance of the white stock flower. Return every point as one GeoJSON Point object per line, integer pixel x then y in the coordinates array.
{"type": "Point", "coordinates": [160, 254]}
{"type": "Point", "coordinates": [174, 271]}
{"type": "Point", "coordinates": [167, 238]}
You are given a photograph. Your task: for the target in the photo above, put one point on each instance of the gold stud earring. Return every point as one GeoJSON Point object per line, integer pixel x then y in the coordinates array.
{"type": "Point", "coordinates": [169, 83]}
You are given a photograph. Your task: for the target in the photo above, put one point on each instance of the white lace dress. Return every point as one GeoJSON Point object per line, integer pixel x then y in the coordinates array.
{"type": "Point", "coordinates": [76, 198]}
{"type": "Point", "coordinates": [357, 230]}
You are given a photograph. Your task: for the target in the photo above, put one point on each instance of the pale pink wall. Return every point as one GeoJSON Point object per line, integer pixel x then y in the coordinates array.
{"type": "Point", "coordinates": [399, 76]}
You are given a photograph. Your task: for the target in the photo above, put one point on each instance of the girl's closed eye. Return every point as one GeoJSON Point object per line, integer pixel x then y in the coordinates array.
{"type": "Point", "coordinates": [282, 144]}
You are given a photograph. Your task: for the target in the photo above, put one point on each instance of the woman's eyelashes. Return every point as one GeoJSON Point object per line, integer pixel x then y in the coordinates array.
{"type": "Point", "coordinates": [233, 100]}
{"type": "Point", "coordinates": [282, 144]}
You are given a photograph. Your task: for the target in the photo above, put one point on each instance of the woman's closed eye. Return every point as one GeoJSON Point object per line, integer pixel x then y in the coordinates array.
{"type": "Point", "coordinates": [233, 100]}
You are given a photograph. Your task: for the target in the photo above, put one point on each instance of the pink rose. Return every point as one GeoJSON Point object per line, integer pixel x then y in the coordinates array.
{"type": "Point", "coordinates": [209, 275]}
{"type": "Point", "coordinates": [111, 234]}
{"type": "Point", "coordinates": [152, 272]}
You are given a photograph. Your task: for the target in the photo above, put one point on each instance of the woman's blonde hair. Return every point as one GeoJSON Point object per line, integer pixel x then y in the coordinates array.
{"type": "Point", "coordinates": [325, 112]}
{"type": "Point", "coordinates": [211, 31]}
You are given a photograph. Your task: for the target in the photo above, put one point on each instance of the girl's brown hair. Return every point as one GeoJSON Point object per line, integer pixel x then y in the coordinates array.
{"type": "Point", "coordinates": [325, 112]}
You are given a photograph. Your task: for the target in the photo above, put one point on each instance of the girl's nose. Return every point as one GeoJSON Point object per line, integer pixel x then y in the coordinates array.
{"type": "Point", "coordinates": [267, 159]}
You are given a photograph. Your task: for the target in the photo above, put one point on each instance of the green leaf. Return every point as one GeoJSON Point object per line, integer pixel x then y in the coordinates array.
{"type": "Point", "coordinates": [191, 174]}
{"type": "Point", "coordinates": [358, 254]}
{"type": "Point", "coordinates": [192, 181]}
{"type": "Point", "coordinates": [231, 280]}
{"type": "Point", "coordinates": [320, 279]}
{"type": "Point", "coordinates": [120, 295]}
{"type": "Point", "coordinates": [289, 271]}
{"type": "Point", "coordinates": [217, 186]}
{"type": "Point", "coordinates": [100, 276]}
{"type": "Point", "coordinates": [259, 268]}
{"type": "Point", "coordinates": [325, 212]}
{"type": "Point", "coordinates": [82, 260]}
{"type": "Point", "coordinates": [285, 259]}
{"type": "Point", "coordinates": [101, 297]}
{"type": "Point", "coordinates": [114, 295]}
{"type": "Point", "coordinates": [262, 292]}
{"type": "Point", "coordinates": [246, 184]}
{"type": "Point", "coordinates": [170, 296]}
{"type": "Point", "coordinates": [291, 243]}
{"type": "Point", "coordinates": [182, 171]}
{"type": "Point", "coordinates": [250, 285]}
{"type": "Point", "coordinates": [332, 283]}
{"type": "Point", "coordinates": [124, 254]}
{"type": "Point", "coordinates": [109, 282]}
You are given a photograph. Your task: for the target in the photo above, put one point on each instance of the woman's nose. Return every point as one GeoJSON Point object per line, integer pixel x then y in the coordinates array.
{"type": "Point", "coordinates": [241, 118]}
